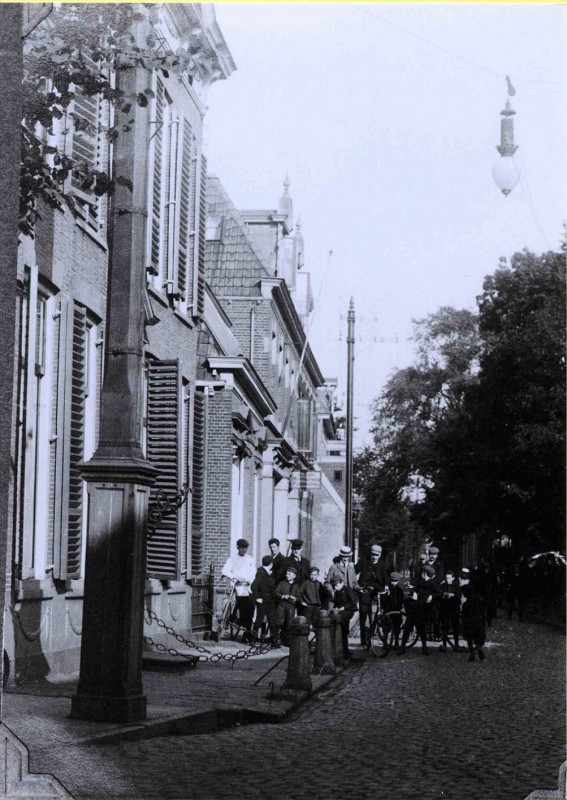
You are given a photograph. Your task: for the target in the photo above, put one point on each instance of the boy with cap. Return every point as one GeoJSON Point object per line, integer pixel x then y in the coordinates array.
{"type": "Point", "coordinates": [345, 600]}
{"type": "Point", "coordinates": [372, 580]}
{"type": "Point", "coordinates": [264, 594]}
{"type": "Point", "coordinates": [297, 561]}
{"type": "Point", "coordinates": [311, 596]}
{"type": "Point", "coordinates": [287, 597]}
{"type": "Point", "coordinates": [392, 604]}
{"type": "Point", "coordinates": [240, 571]}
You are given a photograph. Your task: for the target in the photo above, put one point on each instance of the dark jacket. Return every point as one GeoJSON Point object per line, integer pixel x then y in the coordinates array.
{"type": "Point", "coordinates": [425, 588]}
{"type": "Point", "coordinates": [278, 568]}
{"type": "Point", "coordinates": [373, 578]}
{"type": "Point", "coordinates": [312, 593]}
{"type": "Point", "coordinates": [345, 599]}
{"type": "Point", "coordinates": [264, 587]}
{"type": "Point", "coordinates": [284, 587]}
{"type": "Point", "coordinates": [450, 596]}
{"type": "Point", "coordinates": [301, 565]}
{"type": "Point", "coordinates": [394, 600]}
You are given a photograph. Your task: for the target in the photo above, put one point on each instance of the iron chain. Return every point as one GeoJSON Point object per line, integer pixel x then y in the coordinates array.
{"type": "Point", "coordinates": [205, 655]}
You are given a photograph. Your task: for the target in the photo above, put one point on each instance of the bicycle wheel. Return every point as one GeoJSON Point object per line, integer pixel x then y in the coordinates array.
{"type": "Point", "coordinates": [381, 635]}
{"type": "Point", "coordinates": [412, 638]}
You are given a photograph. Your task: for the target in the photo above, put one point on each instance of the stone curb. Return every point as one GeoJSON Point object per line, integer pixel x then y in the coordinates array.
{"type": "Point", "coordinates": [207, 721]}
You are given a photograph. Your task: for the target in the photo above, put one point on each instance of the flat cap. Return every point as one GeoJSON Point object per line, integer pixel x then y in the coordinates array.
{"type": "Point", "coordinates": [428, 570]}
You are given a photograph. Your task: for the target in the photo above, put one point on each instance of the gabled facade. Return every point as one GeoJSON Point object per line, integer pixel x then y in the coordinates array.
{"type": "Point", "coordinates": [253, 263]}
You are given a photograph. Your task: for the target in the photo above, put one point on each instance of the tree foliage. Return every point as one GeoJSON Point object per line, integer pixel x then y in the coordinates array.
{"type": "Point", "coordinates": [84, 48]}
{"type": "Point", "coordinates": [471, 437]}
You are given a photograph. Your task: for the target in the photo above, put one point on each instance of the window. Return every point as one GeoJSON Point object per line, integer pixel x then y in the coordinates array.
{"type": "Point", "coordinates": [304, 427]}
{"type": "Point", "coordinates": [86, 141]}
{"type": "Point", "coordinates": [338, 475]}
{"type": "Point", "coordinates": [177, 203]}
{"type": "Point", "coordinates": [58, 407]}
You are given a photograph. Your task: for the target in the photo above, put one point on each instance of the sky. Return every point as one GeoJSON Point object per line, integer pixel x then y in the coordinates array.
{"type": "Point", "coordinates": [386, 119]}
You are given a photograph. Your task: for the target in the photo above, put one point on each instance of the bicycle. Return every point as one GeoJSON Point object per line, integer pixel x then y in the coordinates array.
{"type": "Point", "coordinates": [228, 621]}
{"type": "Point", "coordinates": [382, 633]}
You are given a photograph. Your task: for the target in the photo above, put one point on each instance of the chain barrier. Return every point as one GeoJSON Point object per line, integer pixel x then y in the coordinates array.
{"type": "Point", "coordinates": [204, 654]}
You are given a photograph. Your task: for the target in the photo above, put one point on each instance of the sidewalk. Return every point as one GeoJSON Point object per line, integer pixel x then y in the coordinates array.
{"type": "Point", "coordinates": [181, 700]}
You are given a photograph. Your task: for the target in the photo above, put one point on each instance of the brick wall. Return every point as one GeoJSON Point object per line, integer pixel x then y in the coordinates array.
{"type": "Point", "coordinates": [218, 480]}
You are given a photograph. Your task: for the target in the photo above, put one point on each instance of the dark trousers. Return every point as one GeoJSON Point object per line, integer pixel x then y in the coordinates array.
{"type": "Point", "coordinates": [346, 617]}
{"type": "Point", "coordinates": [266, 611]}
{"type": "Point", "coordinates": [365, 617]}
{"type": "Point", "coordinates": [416, 617]}
{"type": "Point", "coordinates": [245, 608]}
{"type": "Point", "coordinates": [449, 622]}
{"type": "Point", "coordinates": [286, 614]}
{"type": "Point", "coordinates": [310, 613]}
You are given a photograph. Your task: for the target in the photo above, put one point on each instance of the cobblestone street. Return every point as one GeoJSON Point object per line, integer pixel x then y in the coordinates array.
{"type": "Point", "coordinates": [395, 728]}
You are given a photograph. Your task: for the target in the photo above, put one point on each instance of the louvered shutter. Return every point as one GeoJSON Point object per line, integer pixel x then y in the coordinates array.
{"type": "Point", "coordinates": [60, 439]}
{"type": "Point", "coordinates": [198, 483]}
{"type": "Point", "coordinates": [186, 474]}
{"type": "Point", "coordinates": [199, 285]}
{"type": "Point", "coordinates": [172, 183]}
{"type": "Point", "coordinates": [157, 220]}
{"type": "Point", "coordinates": [163, 451]}
{"type": "Point", "coordinates": [76, 443]}
{"type": "Point", "coordinates": [185, 261]}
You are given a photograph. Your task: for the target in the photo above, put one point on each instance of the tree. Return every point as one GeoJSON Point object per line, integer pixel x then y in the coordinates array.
{"type": "Point", "coordinates": [475, 430]}
{"type": "Point", "coordinates": [520, 400]}
{"type": "Point", "coordinates": [78, 51]}
{"type": "Point", "coordinates": [417, 403]}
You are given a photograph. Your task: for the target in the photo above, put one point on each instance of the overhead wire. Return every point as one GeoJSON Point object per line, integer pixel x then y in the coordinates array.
{"type": "Point", "coordinates": [494, 73]}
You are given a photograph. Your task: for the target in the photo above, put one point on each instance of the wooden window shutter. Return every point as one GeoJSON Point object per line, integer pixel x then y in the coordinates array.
{"type": "Point", "coordinates": [185, 261]}
{"type": "Point", "coordinates": [187, 447]}
{"type": "Point", "coordinates": [198, 483]}
{"type": "Point", "coordinates": [60, 439]}
{"type": "Point", "coordinates": [163, 448]}
{"type": "Point", "coordinates": [156, 220]}
{"type": "Point", "coordinates": [172, 183]}
{"type": "Point", "coordinates": [74, 543]}
{"type": "Point", "coordinates": [199, 285]}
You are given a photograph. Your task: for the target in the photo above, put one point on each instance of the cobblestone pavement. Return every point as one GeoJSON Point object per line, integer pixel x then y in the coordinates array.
{"type": "Point", "coordinates": [397, 728]}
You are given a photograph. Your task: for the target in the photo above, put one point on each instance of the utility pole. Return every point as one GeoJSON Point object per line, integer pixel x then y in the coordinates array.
{"type": "Point", "coordinates": [349, 426]}
{"type": "Point", "coordinates": [118, 476]}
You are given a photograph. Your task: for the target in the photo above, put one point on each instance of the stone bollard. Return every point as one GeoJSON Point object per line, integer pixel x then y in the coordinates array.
{"type": "Point", "coordinates": [299, 665]}
{"type": "Point", "coordinates": [337, 635]}
{"type": "Point", "coordinates": [324, 663]}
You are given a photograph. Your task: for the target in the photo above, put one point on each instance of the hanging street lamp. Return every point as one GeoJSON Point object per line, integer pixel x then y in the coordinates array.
{"type": "Point", "coordinates": [505, 171]}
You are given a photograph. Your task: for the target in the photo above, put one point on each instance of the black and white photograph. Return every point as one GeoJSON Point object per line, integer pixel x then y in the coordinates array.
{"type": "Point", "coordinates": [282, 400]}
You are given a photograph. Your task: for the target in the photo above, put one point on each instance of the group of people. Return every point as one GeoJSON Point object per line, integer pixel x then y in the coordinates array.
{"type": "Point", "coordinates": [286, 586]}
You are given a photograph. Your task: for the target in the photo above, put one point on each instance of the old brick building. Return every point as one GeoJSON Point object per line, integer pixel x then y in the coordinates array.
{"type": "Point", "coordinates": [234, 405]}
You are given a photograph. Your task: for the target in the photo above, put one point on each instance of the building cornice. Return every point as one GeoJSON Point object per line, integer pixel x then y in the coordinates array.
{"type": "Point", "coordinates": [235, 370]}
{"type": "Point", "coordinates": [278, 289]}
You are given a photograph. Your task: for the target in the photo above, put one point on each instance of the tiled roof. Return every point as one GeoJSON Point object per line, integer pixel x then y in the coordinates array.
{"type": "Point", "coordinates": [233, 266]}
